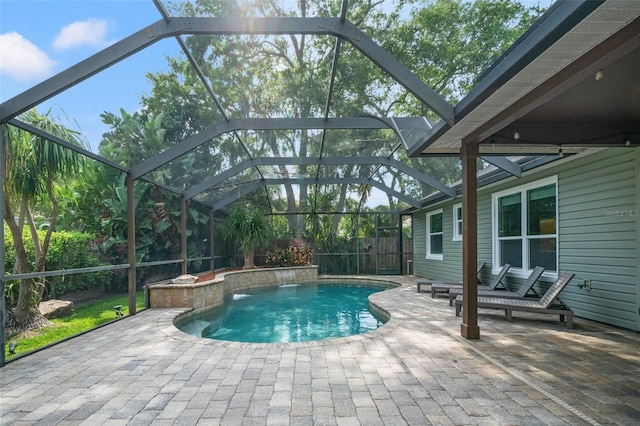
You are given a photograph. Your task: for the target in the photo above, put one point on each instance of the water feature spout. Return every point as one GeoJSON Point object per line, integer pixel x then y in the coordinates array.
{"type": "Point", "coordinates": [285, 276]}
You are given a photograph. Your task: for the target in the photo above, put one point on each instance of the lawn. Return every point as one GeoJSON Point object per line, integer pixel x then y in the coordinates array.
{"type": "Point", "coordinates": [83, 319]}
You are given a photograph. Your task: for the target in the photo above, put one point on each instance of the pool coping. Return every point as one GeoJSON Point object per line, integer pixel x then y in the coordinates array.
{"type": "Point", "coordinates": [166, 322]}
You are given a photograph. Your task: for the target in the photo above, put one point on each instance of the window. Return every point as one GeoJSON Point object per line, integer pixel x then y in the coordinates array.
{"type": "Point", "coordinates": [434, 235]}
{"type": "Point", "coordinates": [525, 226]}
{"type": "Point", "coordinates": [457, 222]}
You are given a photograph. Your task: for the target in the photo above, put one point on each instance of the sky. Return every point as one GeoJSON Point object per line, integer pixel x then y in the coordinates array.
{"type": "Point", "coordinates": [40, 38]}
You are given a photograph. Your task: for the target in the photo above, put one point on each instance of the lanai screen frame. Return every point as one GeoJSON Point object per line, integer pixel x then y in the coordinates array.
{"type": "Point", "coordinates": [339, 27]}
{"type": "Point", "coordinates": [168, 26]}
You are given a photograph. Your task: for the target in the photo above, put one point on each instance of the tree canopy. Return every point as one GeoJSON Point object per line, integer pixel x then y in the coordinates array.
{"type": "Point", "coordinates": [447, 43]}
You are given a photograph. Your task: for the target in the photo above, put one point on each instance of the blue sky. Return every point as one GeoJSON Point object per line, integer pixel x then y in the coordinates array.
{"type": "Point", "coordinates": [40, 38]}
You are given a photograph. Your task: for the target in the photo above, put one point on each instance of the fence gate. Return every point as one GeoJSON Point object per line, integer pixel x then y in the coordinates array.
{"type": "Point", "coordinates": [388, 249]}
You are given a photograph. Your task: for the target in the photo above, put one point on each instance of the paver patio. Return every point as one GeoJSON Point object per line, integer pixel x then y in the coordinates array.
{"type": "Point", "coordinates": [415, 370]}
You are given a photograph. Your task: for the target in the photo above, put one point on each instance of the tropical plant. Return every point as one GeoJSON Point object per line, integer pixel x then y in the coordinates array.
{"type": "Point", "coordinates": [34, 167]}
{"type": "Point", "coordinates": [250, 229]}
{"type": "Point", "coordinates": [131, 139]}
{"type": "Point", "coordinates": [294, 255]}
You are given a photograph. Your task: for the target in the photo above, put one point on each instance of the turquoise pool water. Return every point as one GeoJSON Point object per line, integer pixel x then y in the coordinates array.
{"type": "Point", "coordinates": [288, 313]}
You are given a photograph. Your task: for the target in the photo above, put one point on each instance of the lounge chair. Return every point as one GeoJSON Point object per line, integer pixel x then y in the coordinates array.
{"type": "Point", "coordinates": [544, 305]}
{"type": "Point", "coordinates": [429, 282]}
{"type": "Point", "coordinates": [442, 287]}
{"type": "Point", "coordinates": [522, 291]}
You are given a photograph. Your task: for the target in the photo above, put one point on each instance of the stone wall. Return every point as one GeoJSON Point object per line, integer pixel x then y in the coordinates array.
{"type": "Point", "coordinates": [209, 294]}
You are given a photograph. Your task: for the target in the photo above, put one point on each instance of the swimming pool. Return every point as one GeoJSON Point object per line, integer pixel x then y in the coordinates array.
{"type": "Point", "coordinates": [289, 313]}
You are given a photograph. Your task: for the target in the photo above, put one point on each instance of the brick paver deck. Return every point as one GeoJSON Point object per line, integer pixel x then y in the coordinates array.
{"type": "Point", "coordinates": [415, 370]}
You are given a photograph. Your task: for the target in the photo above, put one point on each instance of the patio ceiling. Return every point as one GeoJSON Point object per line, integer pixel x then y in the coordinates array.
{"type": "Point", "coordinates": [533, 81]}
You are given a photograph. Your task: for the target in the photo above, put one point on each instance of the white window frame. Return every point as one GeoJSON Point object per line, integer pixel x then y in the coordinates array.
{"type": "Point", "coordinates": [429, 255]}
{"type": "Point", "coordinates": [457, 236]}
{"type": "Point", "coordinates": [526, 269]}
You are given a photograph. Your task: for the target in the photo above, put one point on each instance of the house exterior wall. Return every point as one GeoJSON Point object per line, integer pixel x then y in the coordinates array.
{"type": "Point", "coordinates": [598, 221]}
{"type": "Point", "coordinates": [449, 267]}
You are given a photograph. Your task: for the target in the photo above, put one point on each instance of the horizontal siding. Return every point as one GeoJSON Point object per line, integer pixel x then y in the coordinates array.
{"type": "Point", "coordinates": [419, 244]}
{"type": "Point", "coordinates": [484, 238]}
{"type": "Point", "coordinates": [612, 178]}
{"type": "Point", "coordinates": [612, 201]}
{"type": "Point", "coordinates": [585, 243]}
{"type": "Point", "coordinates": [597, 235]}
{"type": "Point", "coordinates": [598, 240]}
{"type": "Point", "coordinates": [450, 267]}
{"type": "Point", "coordinates": [575, 225]}
{"type": "Point", "coordinates": [622, 314]}
{"type": "Point", "coordinates": [597, 260]}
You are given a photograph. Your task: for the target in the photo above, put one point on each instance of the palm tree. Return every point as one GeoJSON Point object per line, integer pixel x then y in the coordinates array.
{"type": "Point", "coordinates": [33, 168]}
{"type": "Point", "coordinates": [250, 229]}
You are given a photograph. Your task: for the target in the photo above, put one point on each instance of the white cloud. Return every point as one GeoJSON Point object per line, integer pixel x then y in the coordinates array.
{"type": "Point", "coordinates": [91, 32]}
{"type": "Point", "coordinates": [23, 60]}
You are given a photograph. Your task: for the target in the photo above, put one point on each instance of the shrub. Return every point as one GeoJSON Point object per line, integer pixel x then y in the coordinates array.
{"type": "Point", "coordinates": [73, 250]}
{"type": "Point", "coordinates": [68, 250]}
{"type": "Point", "coordinates": [295, 255]}
{"type": "Point", "coordinates": [250, 229]}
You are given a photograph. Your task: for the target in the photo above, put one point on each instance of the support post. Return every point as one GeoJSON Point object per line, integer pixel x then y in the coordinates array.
{"type": "Point", "coordinates": [376, 254]}
{"type": "Point", "coordinates": [469, 157]}
{"type": "Point", "coordinates": [357, 244]}
{"type": "Point", "coordinates": [314, 220]}
{"type": "Point", "coordinates": [3, 307]}
{"type": "Point", "coordinates": [212, 253]}
{"type": "Point", "coordinates": [400, 253]}
{"type": "Point", "coordinates": [131, 242]}
{"type": "Point", "coordinates": [183, 233]}
{"type": "Point", "coordinates": [637, 152]}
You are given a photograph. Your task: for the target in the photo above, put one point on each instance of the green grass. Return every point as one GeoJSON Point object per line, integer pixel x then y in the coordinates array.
{"type": "Point", "coordinates": [84, 318]}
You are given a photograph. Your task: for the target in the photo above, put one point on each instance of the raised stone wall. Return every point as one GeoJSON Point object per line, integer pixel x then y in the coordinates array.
{"type": "Point", "coordinates": [209, 294]}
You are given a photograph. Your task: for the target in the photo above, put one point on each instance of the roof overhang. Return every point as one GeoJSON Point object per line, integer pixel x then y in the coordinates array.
{"type": "Point", "coordinates": [545, 88]}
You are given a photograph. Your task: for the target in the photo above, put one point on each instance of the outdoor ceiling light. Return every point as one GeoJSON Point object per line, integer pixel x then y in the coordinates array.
{"type": "Point", "coordinates": [599, 75]}
{"type": "Point", "coordinates": [516, 135]}
{"type": "Point", "coordinates": [560, 153]}
{"type": "Point", "coordinates": [627, 141]}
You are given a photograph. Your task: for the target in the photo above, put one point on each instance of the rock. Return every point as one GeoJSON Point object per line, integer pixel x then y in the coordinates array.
{"type": "Point", "coordinates": [56, 308]}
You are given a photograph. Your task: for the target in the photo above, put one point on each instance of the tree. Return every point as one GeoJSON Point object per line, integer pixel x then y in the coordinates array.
{"type": "Point", "coordinates": [290, 68]}
{"type": "Point", "coordinates": [34, 167]}
{"type": "Point", "coordinates": [447, 43]}
{"type": "Point", "coordinates": [250, 229]}
{"type": "Point", "coordinates": [131, 139]}
{"type": "Point", "coordinates": [450, 43]}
